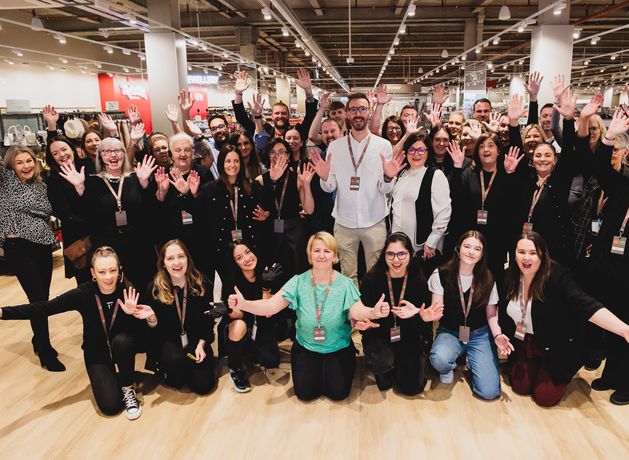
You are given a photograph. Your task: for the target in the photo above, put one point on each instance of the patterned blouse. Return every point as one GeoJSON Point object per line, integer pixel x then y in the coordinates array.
{"type": "Point", "coordinates": [24, 209]}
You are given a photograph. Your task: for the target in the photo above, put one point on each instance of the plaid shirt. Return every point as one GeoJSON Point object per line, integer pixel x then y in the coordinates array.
{"type": "Point", "coordinates": [583, 215]}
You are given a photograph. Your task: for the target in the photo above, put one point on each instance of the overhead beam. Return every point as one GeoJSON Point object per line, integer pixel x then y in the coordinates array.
{"type": "Point", "coordinates": [316, 7]}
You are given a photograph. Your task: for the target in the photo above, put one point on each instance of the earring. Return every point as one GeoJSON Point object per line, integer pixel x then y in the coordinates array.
{"type": "Point", "coordinates": [93, 278]}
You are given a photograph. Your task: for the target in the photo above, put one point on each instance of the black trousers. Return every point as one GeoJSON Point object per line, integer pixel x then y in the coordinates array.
{"type": "Point", "coordinates": [616, 368]}
{"type": "Point", "coordinates": [106, 384]}
{"type": "Point", "coordinates": [264, 348]}
{"type": "Point", "coordinates": [32, 265]}
{"type": "Point", "coordinates": [179, 370]}
{"type": "Point", "coordinates": [406, 363]}
{"type": "Point", "coordinates": [327, 374]}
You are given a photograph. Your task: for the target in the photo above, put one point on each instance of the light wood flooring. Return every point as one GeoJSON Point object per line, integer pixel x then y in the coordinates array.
{"type": "Point", "coordinates": [53, 416]}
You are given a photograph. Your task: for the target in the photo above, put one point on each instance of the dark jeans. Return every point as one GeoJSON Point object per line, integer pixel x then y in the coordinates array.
{"type": "Point", "coordinates": [327, 374]}
{"type": "Point", "coordinates": [180, 370]}
{"type": "Point", "coordinates": [32, 265]}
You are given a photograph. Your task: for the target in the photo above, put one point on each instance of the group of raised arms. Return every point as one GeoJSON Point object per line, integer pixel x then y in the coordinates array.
{"type": "Point", "coordinates": [512, 239]}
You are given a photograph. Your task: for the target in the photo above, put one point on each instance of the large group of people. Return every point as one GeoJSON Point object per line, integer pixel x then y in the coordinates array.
{"type": "Point", "coordinates": [512, 238]}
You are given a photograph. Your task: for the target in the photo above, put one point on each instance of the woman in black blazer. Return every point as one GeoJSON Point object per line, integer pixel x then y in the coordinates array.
{"type": "Point", "coordinates": [110, 336]}
{"type": "Point", "coordinates": [543, 313]}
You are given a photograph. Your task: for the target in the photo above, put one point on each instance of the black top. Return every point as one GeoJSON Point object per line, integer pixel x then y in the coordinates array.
{"type": "Point", "coordinates": [271, 192]}
{"type": "Point", "coordinates": [453, 316]}
{"type": "Point", "coordinates": [196, 325]}
{"type": "Point", "coordinates": [82, 299]}
{"type": "Point", "coordinates": [558, 322]}
{"type": "Point", "coordinates": [411, 329]}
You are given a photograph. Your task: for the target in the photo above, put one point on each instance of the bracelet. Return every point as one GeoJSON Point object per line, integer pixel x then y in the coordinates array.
{"type": "Point", "coordinates": [608, 139]}
{"type": "Point", "coordinates": [387, 178]}
{"type": "Point", "coordinates": [151, 322]}
{"type": "Point", "coordinates": [497, 335]}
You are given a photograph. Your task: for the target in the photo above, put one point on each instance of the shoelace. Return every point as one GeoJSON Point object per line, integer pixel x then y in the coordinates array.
{"type": "Point", "coordinates": [130, 399]}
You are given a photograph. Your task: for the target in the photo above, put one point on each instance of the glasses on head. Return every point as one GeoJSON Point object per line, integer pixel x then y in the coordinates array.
{"type": "Point", "coordinates": [110, 152]}
{"type": "Point", "coordinates": [362, 110]}
{"type": "Point", "coordinates": [217, 127]}
{"type": "Point", "coordinates": [274, 153]}
{"type": "Point", "coordinates": [419, 150]}
{"type": "Point", "coordinates": [390, 255]}
{"type": "Point", "coordinates": [160, 149]}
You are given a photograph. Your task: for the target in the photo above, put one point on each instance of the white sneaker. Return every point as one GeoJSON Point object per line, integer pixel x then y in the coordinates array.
{"type": "Point", "coordinates": [132, 406]}
{"type": "Point", "coordinates": [447, 378]}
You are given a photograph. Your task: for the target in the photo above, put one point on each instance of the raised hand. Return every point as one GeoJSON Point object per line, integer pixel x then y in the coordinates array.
{"type": "Point", "coordinates": [236, 300]}
{"type": "Point", "coordinates": [107, 123]}
{"type": "Point", "coordinates": [178, 181]}
{"type": "Point", "coordinates": [131, 297]}
{"type": "Point", "coordinates": [143, 311]}
{"type": "Point", "coordinates": [193, 129]}
{"type": "Point", "coordinates": [432, 313]}
{"type": "Point", "coordinates": [592, 107]}
{"type": "Point", "coordinates": [303, 80]}
{"type": "Point", "coordinates": [324, 103]}
{"type": "Point", "coordinates": [558, 86]}
{"type": "Point", "coordinates": [69, 173]}
{"type": "Point", "coordinates": [515, 109]}
{"type": "Point", "coordinates": [271, 275]}
{"type": "Point", "coordinates": [381, 309]}
{"type": "Point", "coordinates": [512, 159]}
{"type": "Point", "coordinates": [278, 166]}
{"type": "Point", "coordinates": [260, 214]}
{"type": "Point", "coordinates": [257, 106]}
{"type": "Point", "coordinates": [145, 169]}
{"type": "Point", "coordinates": [503, 344]}
{"type": "Point", "coordinates": [413, 126]}
{"type": "Point", "coordinates": [619, 125]}
{"type": "Point", "coordinates": [535, 80]}
{"type": "Point", "coordinates": [434, 117]}
{"type": "Point", "coordinates": [162, 181]}
{"type": "Point", "coordinates": [137, 133]}
{"type": "Point", "coordinates": [242, 82]}
{"type": "Point", "coordinates": [439, 94]}
{"type": "Point", "coordinates": [194, 181]}
{"type": "Point", "coordinates": [172, 113]}
{"type": "Point", "coordinates": [185, 102]}
{"type": "Point", "coordinates": [567, 104]}
{"type": "Point", "coordinates": [475, 129]}
{"type": "Point", "coordinates": [457, 155]}
{"type": "Point", "coordinates": [405, 310]}
{"type": "Point", "coordinates": [394, 165]}
{"type": "Point", "coordinates": [494, 122]}
{"type": "Point", "coordinates": [321, 166]}
{"type": "Point", "coordinates": [381, 95]}
{"type": "Point", "coordinates": [133, 114]}
{"type": "Point", "coordinates": [306, 174]}
{"type": "Point", "coordinates": [51, 117]}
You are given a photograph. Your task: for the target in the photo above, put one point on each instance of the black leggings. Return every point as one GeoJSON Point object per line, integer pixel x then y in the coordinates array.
{"type": "Point", "coordinates": [405, 362]}
{"type": "Point", "coordinates": [106, 385]}
{"type": "Point", "coordinates": [327, 374]}
{"type": "Point", "coordinates": [180, 370]}
{"type": "Point", "coordinates": [32, 265]}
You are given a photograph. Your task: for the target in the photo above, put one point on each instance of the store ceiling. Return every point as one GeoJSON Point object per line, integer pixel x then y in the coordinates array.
{"type": "Point", "coordinates": [323, 24]}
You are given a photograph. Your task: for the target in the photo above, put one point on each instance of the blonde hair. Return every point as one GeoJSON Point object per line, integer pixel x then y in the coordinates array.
{"type": "Point", "coordinates": [538, 128]}
{"type": "Point", "coordinates": [163, 287]}
{"type": "Point", "coordinates": [100, 165]}
{"type": "Point", "coordinates": [13, 152]}
{"type": "Point", "coordinates": [461, 113]}
{"type": "Point", "coordinates": [328, 240]}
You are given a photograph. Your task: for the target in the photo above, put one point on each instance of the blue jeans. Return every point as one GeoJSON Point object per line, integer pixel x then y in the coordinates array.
{"type": "Point", "coordinates": [481, 354]}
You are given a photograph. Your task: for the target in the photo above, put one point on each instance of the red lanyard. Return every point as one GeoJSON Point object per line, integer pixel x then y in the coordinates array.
{"type": "Point", "coordinates": [103, 321]}
{"type": "Point", "coordinates": [234, 206]}
{"type": "Point", "coordinates": [182, 315]}
{"type": "Point", "coordinates": [392, 298]}
{"type": "Point", "coordinates": [624, 223]}
{"type": "Point", "coordinates": [466, 309]}
{"type": "Point", "coordinates": [601, 202]}
{"type": "Point", "coordinates": [351, 153]}
{"type": "Point", "coordinates": [485, 192]}
{"type": "Point", "coordinates": [118, 195]}
{"type": "Point", "coordinates": [523, 303]}
{"type": "Point", "coordinates": [536, 196]}
{"type": "Point", "coordinates": [279, 205]}
{"type": "Point", "coordinates": [314, 294]}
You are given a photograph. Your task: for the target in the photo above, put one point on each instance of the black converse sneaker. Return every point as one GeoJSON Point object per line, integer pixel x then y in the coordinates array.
{"type": "Point", "coordinates": [240, 380]}
{"type": "Point", "coordinates": [132, 406]}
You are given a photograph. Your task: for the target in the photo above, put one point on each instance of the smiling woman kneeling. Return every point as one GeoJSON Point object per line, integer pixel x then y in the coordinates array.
{"type": "Point", "coordinates": [323, 356]}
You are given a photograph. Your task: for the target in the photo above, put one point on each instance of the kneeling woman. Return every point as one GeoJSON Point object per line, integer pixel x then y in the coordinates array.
{"type": "Point", "coordinates": [240, 331]}
{"type": "Point", "coordinates": [543, 313]}
{"type": "Point", "coordinates": [110, 336]}
{"type": "Point", "coordinates": [393, 350]}
{"type": "Point", "coordinates": [178, 296]}
{"type": "Point", "coordinates": [465, 286]}
{"type": "Point", "coordinates": [323, 356]}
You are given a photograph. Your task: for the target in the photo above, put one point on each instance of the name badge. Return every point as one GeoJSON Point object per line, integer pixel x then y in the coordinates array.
{"type": "Point", "coordinates": [395, 334]}
{"type": "Point", "coordinates": [464, 334]}
{"type": "Point", "coordinates": [184, 340]}
{"type": "Point", "coordinates": [121, 218]}
{"type": "Point", "coordinates": [236, 235]}
{"type": "Point", "coordinates": [520, 331]}
{"type": "Point", "coordinates": [527, 227]}
{"type": "Point", "coordinates": [354, 183]}
{"type": "Point", "coordinates": [254, 331]}
{"type": "Point", "coordinates": [278, 225]}
{"type": "Point", "coordinates": [186, 218]}
{"type": "Point", "coordinates": [319, 334]}
{"type": "Point", "coordinates": [618, 245]}
{"type": "Point", "coordinates": [481, 217]}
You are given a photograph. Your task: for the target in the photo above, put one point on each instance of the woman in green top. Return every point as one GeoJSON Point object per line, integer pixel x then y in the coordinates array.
{"type": "Point", "coordinates": [323, 356]}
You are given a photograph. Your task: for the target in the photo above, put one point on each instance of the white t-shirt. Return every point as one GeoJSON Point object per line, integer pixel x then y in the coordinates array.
{"type": "Point", "coordinates": [434, 285]}
{"type": "Point", "coordinates": [513, 310]}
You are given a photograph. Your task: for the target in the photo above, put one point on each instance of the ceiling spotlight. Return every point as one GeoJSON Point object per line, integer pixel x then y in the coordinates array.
{"type": "Point", "coordinates": [485, 44]}
{"type": "Point", "coordinates": [51, 67]}
{"type": "Point", "coordinates": [505, 13]}
{"type": "Point", "coordinates": [193, 42]}
{"type": "Point", "coordinates": [411, 9]}
{"type": "Point", "coordinates": [586, 62]}
{"type": "Point", "coordinates": [443, 68]}
{"type": "Point", "coordinates": [64, 60]}
{"type": "Point", "coordinates": [464, 57]}
{"type": "Point", "coordinates": [403, 29]}
{"type": "Point", "coordinates": [614, 56]}
{"type": "Point", "coordinates": [98, 65]}
{"type": "Point", "coordinates": [17, 53]}
{"type": "Point", "coordinates": [520, 27]}
{"type": "Point", "coordinates": [602, 70]}
{"type": "Point", "coordinates": [504, 67]}
{"type": "Point", "coordinates": [131, 19]}
{"type": "Point", "coordinates": [125, 69]}
{"type": "Point", "coordinates": [285, 31]}
{"type": "Point", "coordinates": [521, 61]}
{"type": "Point", "coordinates": [462, 67]}
{"type": "Point", "coordinates": [392, 51]}
{"type": "Point", "coordinates": [444, 53]}
{"type": "Point", "coordinates": [109, 49]}
{"type": "Point", "coordinates": [142, 56]}
{"type": "Point", "coordinates": [61, 39]}
{"type": "Point", "coordinates": [266, 13]}
{"type": "Point", "coordinates": [126, 52]}
{"type": "Point", "coordinates": [225, 54]}
{"type": "Point", "coordinates": [297, 44]}
{"type": "Point", "coordinates": [490, 65]}
{"type": "Point", "coordinates": [477, 50]}
{"type": "Point", "coordinates": [396, 41]}
{"type": "Point", "coordinates": [36, 23]}
{"type": "Point", "coordinates": [307, 52]}
{"type": "Point", "coordinates": [9, 61]}
{"type": "Point", "coordinates": [496, 40]}
{"type": "Point", "coordinates": [189, 68]}
{"type": "Point", "coordinates": [576, 34]}
{"type": "Point", "coordinates": [104, 33]}
{"type": "Point", "coordinates": [595, 40]}
{"type": "Point", "coordinates": [624, 67]}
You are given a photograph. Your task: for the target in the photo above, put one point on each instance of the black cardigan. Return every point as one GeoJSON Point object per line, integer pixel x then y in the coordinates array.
{"type": "Point", "coordinates": [82, 300]}
{"type": "Point", "coordinates": [558, 323]}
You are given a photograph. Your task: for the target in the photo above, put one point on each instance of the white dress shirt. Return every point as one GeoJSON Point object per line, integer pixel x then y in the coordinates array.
{"type": "Point", "coordinates": [366, 206]}
{"type": "Point", "coordinates": [405, 194]}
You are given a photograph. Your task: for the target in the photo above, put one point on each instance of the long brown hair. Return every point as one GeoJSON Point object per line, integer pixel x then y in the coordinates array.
{"type": "Point", "coordinates": [512, 278]}
{"type": "Point", "coordinates": [163, 287]}
{"type": "Point", "coordinates": [483, 280]}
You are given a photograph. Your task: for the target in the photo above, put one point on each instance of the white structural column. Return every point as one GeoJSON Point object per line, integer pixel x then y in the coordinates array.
{"type": "Point", "coordinates": [551, 49]}
{"type": "Point", "coordinates": [282, 91]}
{"type": "Point", "coordinates": [516, 86]}
{"type": "Point", "coordinates": [166, 62]}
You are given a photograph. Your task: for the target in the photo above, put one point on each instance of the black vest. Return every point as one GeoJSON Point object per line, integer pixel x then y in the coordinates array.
{"type": "Point", "coordinates": [423, 208]}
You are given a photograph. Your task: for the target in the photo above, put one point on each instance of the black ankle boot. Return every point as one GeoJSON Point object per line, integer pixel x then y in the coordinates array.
{"type": "Point", "coordinates": [36, 347]}
{"type": "Point", "coordinates": [50, 362]}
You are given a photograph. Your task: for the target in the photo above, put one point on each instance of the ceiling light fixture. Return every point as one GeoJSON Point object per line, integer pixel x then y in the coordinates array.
{"type": "Point", "coordinates": [411, 9]}
{"type": "Point", "coordinates": [109, 49]}
{"type": "Point", "coordinates": [521, 27]}
{"type": "Point", "coordinates": [496, 40]}
{"type": "Point", "coordinates": [126, 52]}
{"type": "Point", "coordinates": [576, 34]}
{"type": "Point", "coordinates": [403, 29]}
{"type": "Point", "coordinates": [285, 31]}
{"type": "Point", "coordinates": [36, 23]}
{"type": "Point", "coordinates": [444, 53]}
{"type": "Point", "coordinates": [505, 13]}
{"type": "Point", "coordinates": [266, 13]}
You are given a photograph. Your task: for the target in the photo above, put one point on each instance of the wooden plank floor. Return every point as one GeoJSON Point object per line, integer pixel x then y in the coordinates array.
{"type": "Point", "coordinates": [47, 415]}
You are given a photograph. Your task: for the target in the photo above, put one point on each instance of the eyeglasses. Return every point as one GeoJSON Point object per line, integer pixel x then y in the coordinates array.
{"type": "Point", "coordinates": [108, 153]}
{"type": "Point", "coordinates": [400, 255]}
{"type": "Point", "coordinates": [593, 129]}
{"type": "Point", "coordinates": [394, 128]}
{"type": "Point", "coordinates": [274, 153]}
{"type": "Point", "coordinates": [217, 127]}
{"type": "Point", "coordinates": [420, 150]}
{"type": "Point", "coordinates": [362, 109]}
